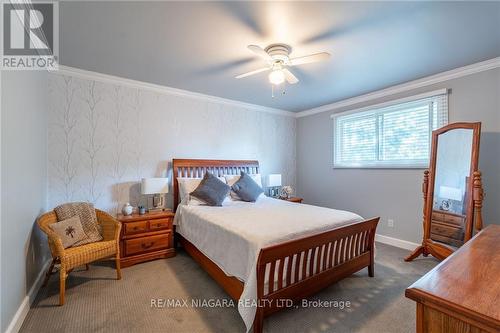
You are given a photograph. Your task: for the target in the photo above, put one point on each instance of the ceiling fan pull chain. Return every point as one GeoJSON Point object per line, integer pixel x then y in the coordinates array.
{"type": "Point", "coordinates": [272, 90]}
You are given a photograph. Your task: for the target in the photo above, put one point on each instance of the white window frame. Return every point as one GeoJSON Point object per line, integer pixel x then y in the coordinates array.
{"type": "Point", "coordinates": [402, 164]}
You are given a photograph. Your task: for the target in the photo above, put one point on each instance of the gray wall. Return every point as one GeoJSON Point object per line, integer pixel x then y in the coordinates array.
{"type": "Point", "coordinates": [396, 193]}
{"type": "Point", "coordinates": [24, 185]}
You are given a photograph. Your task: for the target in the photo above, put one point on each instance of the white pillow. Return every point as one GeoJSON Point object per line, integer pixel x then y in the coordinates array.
{"type": "Point", "coordinates": [232, 179]}
{"type": "Point", "coordinates": [188, 185]}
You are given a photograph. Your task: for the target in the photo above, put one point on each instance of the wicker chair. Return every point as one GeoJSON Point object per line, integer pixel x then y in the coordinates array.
{"type": "Point", "coordinates": [81, 255]}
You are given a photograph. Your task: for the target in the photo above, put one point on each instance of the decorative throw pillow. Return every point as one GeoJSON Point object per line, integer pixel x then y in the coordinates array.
{"type": "Point", "coordinates": [188, 185]}
{"type": "Point", "coordinates": [246, 188]}
{"type": "Point", "coordinates": [86, 212]}
{"type": "Point", "coordinates": [232, 179]}
{"type": "Point", "coordinates": [211, 190]}
{"type": "Point", "coordinates": [70, 231]}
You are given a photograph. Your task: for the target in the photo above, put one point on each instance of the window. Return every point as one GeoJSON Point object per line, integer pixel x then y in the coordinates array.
{"type": "Point", "coordinates": [389, 135]}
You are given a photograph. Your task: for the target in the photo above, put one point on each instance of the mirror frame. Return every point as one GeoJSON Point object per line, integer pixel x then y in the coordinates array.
{"type": "Point", "coordinates": [474, 197]}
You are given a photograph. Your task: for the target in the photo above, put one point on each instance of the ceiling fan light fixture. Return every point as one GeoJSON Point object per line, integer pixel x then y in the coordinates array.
{"type": "Point", "coordinates": [277, 77]}
{"type": "Point", "coordinates": [278, 62]}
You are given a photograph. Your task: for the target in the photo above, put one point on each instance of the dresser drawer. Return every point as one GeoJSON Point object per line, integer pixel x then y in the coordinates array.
{"type": "Point", "coordinates": [131, 228]}
{"type": "Point", "coordinates": [159, 224]}
{"type": "Point", "coordinates": [448, 218]}
{"type": "Point", "coordinates": [456, 220]}
{"type": "Point", "coordinates": [447, 230]}
{"type": "Point", "coordinates": [145, 244]}
{"type": "Point", "coordinates": [437, 216]}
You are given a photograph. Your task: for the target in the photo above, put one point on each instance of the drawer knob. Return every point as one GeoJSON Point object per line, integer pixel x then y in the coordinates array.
{"type": "Point", "coordinates": [136, 228]}
{"type": "Point", "coordinates": [147, 245]}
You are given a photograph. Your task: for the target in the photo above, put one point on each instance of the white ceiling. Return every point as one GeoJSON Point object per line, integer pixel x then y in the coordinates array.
{"type": "Point", "coordinates": [201, 46]}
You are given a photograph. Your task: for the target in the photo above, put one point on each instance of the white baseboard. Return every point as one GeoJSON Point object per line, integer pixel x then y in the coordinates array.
{"type": "Point", "coordinates": [22, 311]}
{"type": "Point", "coordinates": [396, 242]}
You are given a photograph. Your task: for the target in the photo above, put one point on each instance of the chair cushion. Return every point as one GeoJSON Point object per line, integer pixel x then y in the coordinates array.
{"type": "Point", "coordinates": [80, 255]}
{"type": "Point", "coordinates": [70, 231]}
{"type": "Point", "coordinates": [86, 212]}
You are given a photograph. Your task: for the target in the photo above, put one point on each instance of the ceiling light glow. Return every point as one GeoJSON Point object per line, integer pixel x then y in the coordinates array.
{"type": "Point", "coordinates": [277, 77]}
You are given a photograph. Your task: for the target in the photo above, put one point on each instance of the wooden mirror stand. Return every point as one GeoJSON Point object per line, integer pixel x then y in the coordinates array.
{"type": "Point", "coordinates": [472, 201]}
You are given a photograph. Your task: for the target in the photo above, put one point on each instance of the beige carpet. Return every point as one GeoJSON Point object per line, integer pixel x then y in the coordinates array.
{"type": "Point", "coordinates": [95, 302]}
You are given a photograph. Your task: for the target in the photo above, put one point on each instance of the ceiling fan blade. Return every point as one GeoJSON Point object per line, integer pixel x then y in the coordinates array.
{"type": "Point", "coordinates": [290, 78]}
{"type": "Point", "coordinates": [310, 58]}
{"type": "Point", "coordinates": [252, 72]}
{"type": "Point", "coordinates": [260, 52]}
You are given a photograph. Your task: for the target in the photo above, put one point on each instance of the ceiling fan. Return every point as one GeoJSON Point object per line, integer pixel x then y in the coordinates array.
{"type": "Point", "coordinates": [277, 58]}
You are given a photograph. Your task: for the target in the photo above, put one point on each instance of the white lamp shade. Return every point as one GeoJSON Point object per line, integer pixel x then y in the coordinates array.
{"type": "Point", "coordinates": [451, 193]}
{"type": "Point", "coordinates": [274, 180]}
{"type": "Point", "coordinates": [154, 185]}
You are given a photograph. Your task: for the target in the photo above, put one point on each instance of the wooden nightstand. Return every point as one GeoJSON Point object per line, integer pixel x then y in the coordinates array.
{"type": "Point", "coordinates": [294, 199]}
{"type": "Point", "coordinates": [146, 237]}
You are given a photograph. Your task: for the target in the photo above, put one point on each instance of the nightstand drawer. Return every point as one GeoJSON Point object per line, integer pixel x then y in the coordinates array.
{"type": "Point", "coordinates": [159, 224]}
{"type": "Point", "coordinates": [135, 227]}
{"type": "Point", "coordinates": [145, 244]}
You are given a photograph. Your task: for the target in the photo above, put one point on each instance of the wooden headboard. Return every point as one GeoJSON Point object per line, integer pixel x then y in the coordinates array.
{"type": "Point", "coordinates": [194, 168]}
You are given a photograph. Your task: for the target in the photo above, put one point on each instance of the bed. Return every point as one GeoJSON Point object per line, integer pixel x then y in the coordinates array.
{"type": "Point", "coordinates": [272, 252]}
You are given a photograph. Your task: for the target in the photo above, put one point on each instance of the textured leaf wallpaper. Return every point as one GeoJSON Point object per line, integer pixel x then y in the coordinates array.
{"type": "Point", "coordinates": [104, 137]}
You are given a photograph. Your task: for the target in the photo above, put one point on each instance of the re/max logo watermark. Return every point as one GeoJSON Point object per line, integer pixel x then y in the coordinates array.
{"type": "Point", "coordinates": [30, 39]}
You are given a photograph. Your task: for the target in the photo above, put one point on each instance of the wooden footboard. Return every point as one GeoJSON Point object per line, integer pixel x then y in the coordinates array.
{"type": "Point", "coordinates": [302, 267]}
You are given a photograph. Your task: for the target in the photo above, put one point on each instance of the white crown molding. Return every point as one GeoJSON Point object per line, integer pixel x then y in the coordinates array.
{"type": "Point", "coordinates": [423, 82]}
{"type": "Point", "coordinates": [95, 76]}
{"type": "Point", "coordinates": [22, 311]}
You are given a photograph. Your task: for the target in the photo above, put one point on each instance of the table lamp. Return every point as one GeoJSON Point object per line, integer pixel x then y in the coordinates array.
{"type": "Point", "coordinates": [273, 181]}
{"type": "Point", "coordinates": [157, 187]}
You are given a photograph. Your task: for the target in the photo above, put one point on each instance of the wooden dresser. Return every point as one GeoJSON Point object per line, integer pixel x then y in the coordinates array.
{"type": "Point", "coordinates": [448, 228]}
{"type": "Point", "coordinates": [462, 293]}
{"type": "Point", "coordinates": [146, 237]}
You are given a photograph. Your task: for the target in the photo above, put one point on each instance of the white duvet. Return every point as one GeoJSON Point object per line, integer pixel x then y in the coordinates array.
{"type": "Point", "coordinates": [232, 235]}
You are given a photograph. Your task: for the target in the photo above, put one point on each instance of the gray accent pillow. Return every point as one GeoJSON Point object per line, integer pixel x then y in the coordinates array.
{"type": "Point", "coordinates": [211, 190]}
{"type": "Point", "coordinates": [246, 188]}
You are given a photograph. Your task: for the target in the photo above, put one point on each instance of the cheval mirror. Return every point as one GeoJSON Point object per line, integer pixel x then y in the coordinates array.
{"type": "Point", "coordinates": [452, 190]}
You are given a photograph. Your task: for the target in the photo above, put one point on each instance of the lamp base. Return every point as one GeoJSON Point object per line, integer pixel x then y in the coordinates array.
{"type": "Point", "coordinates": [155, 210]}
{"type": "Point", "coordinates": [157, 204]}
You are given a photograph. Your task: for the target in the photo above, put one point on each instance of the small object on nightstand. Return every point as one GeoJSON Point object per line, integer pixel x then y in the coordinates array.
{"type": "Point", "coordinates": [142, 210]}
{"type": "Point", "coordinates": [127, 209]}
{"type": "Point", "coordinates": [146, 237]}
{"type": "Point", "coordinates": [286, 192]}
{"type": "Point", "coordinates": [293, 199]}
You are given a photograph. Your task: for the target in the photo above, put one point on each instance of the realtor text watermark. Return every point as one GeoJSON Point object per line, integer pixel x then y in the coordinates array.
{"type": "Point", "coordinates": [30, 38]}
{"type": "Point", "coordinates": [162, 303]}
